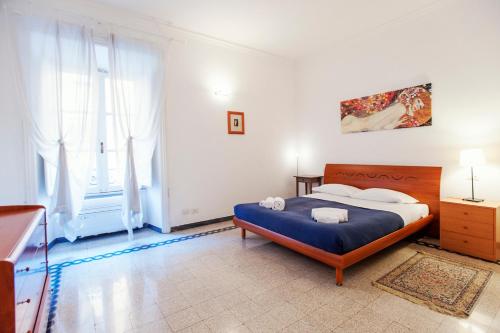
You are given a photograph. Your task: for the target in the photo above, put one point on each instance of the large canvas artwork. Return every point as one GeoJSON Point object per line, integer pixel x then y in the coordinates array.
{"type": "Point", "coordinates": [404, 108]}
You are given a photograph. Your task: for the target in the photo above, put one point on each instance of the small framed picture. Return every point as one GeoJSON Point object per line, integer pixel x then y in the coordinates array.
{"type": "Point", "coordinates": [235, 122]}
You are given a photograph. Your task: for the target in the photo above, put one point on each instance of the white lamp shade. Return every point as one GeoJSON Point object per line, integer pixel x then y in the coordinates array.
{"type": "Point", "coordinates": [472, 157]}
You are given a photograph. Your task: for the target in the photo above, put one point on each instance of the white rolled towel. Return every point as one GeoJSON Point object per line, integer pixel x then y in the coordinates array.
{"type": "Point", "coordinates": [279, 203]}
{"type": "Point", "coordinates": [330, 215]}
{"type": "Point", "coordinates": [267, 203]}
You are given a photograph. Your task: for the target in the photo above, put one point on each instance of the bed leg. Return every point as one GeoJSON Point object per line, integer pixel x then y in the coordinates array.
{"type": "Point", "coordinates": [243, 233]}
{"type": "Point", "coordinates": [339, 276]}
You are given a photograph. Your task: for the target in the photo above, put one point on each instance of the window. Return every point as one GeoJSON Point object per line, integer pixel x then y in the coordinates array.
{"type": "Point", "coordinates": [105, 175]}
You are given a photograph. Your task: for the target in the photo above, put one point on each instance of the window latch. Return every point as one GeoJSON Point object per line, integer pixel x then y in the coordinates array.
{"type": "Point", "coordinates": [102, 147]}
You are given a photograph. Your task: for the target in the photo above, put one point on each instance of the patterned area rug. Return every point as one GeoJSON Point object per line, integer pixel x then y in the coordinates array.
{"type": "Point", "coordinates": [443, 285]}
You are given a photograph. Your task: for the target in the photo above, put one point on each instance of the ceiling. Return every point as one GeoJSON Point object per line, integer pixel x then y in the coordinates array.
{"type": "Point", "coordinates": [290, 28]}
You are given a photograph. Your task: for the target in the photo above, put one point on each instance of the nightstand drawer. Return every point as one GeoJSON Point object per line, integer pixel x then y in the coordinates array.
{"type": "Point", "coordinates": [468, 213]}
{"type": "Point", "coordinates": [469, 245]}
{"type": "Point", "coordinates": [468, 228]}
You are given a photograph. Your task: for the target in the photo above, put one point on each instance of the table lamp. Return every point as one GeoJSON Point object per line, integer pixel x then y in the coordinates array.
{"type": "Point", "coordinates": [472, 158]}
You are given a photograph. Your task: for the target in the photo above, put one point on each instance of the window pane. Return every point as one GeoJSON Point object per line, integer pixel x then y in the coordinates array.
{"type": "Point", "coordinates": [110, 133]}
{"type": "Point", "coordinates": [72, 86]}
{"type": "Point", "coordinates": [93, 177]}
{"type": "Point", "coordinates": [101, 53]}
{"type": "Point", "coordinates": [107, 92]}
{"type": "Point", "coordinates": [114, 177]}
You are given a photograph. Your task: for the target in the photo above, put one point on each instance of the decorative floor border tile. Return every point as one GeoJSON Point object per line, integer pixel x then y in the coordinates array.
{"type": "Point", "coordinates": [56, 270]}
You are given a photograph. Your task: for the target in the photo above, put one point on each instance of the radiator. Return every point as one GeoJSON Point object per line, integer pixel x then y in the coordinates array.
{"type": "Point", "coordinates": [102, 215]}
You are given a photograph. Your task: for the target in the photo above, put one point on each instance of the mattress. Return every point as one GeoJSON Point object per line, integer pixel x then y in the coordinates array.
{"type": "Point", "coordinates": [365, 224]}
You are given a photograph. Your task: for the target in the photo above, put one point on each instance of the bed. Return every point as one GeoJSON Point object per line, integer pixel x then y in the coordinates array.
{"type": "Point", "coordinates": [370, 228]}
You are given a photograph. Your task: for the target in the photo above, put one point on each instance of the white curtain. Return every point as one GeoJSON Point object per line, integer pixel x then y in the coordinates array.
{"type": "Point", "coordinates": [55, 76]}
{"type": "Point", "coordinates": [137, 76]}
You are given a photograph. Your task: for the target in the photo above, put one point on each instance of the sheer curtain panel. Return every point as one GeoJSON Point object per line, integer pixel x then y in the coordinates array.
{"type": "Point", "coordinates": [55, 73]}
{"type": "Point", "coordinates": [137, 89]}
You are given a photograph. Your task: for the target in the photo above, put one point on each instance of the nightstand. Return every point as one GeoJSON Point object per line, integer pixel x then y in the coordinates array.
{"type": "Point", "coordinates": [308, 180]}
{"type": "Point", "coordinates": [471, 228]}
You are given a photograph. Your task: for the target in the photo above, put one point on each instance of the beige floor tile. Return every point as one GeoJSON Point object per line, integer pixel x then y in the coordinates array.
{"type": "Point", "coordinates": [495, 324]}
{"type": "Point", "coordinates": [173, 305]}
{"type": "Point", "coordinates": [304, 326]}
{"type": "Point", "coordinates": [77, 314]}
{"type": "Point", "coordinates": [365, 321]}
{"type": "Point", "coordinates": [196, 296]}
{"type": "Point", "coordinates": [209, 308]}
{"type": "Point", "coordinates": [183, 319]}
{"type": "Point", "coordinates": [362, 292]}
{"type": "Point", "coordinates": [486, 309]}
{"type": "Point", "coordinates": [345, 306]}
{"type": "Point", "coordinates": [304, 303]}
{"type": "Point", "coordinates": [141, 316]}
{"type": "Point", "coordinates": [251, 290]}
{"type": "Point", "coordinates": [113, 327]}
{"type": "Point", "coordinates": [246, 310]}
{"type": "Point", "coordinates": [200, 327]}
{"type": "Point", "coordinates": [233, 298]}
{"type": "Point", "coordinates": [223, 322]}
{"type": "Point", "coordinates": [155, 326]}
{"type": "Point", "coordinates": [63, 327]}
{"type": "Point", "coordinates": [286, 293]}
{"type": "Point", "coordinates": [268, 299]}
{"type": "Point", "coordinates": [327, 318]}
{"type": "Point", "coordinates": [264, 323]}
{"type": "Point", "coordinates": [241, 329]}
{"type": "Point", "coordinates": [303, 284]}
{"type": "Point", "coordinates": [408, 314]}
{"type": "Point", "coordinates": [397, 328]}
{"type": "Point", "coordinates": [457, 325]}
{"type": "Point", "coordinates": [286, 313]}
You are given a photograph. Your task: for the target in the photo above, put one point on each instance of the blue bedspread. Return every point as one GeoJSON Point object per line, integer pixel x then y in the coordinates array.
{"type": "Point", "coordinates": [364, 226]}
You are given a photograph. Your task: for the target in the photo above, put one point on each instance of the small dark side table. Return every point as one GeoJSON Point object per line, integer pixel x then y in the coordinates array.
{"type": "Point", "coordinates": [308, 180]}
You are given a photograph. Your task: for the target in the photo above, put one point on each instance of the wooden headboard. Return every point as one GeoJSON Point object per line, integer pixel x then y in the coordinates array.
{"type": "Point", "coordinates": [421, 182]}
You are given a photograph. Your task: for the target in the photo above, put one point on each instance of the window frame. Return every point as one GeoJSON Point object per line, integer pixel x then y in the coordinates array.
{"type": "Point", "coordinates": [103, 186]}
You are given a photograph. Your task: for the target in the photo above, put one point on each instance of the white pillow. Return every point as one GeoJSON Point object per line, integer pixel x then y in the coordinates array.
{"type": "Point", "coordinates": [336, 189]}
{"type": "Point", "coordinates": [384, 195]}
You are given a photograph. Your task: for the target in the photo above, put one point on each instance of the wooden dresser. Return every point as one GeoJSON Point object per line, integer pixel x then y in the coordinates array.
{"type": "Point", "coordinates": [24, 278]}
{"type": "Point", "coordinates": [471, 228]}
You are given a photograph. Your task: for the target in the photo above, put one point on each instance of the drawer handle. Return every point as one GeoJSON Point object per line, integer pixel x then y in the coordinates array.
{"type": "Point", "coordinates": [466, 227]}
{"type": "Point", "coordinates": [466, 213]}
{"type": "Point", "coordinates": [23, 302]}
{"type": "Point", "coordinates": [42, 224]}
{"type": "Point", "coordinates": [465, 242]}
{"type": "Point", "coordinates": [27, 269]}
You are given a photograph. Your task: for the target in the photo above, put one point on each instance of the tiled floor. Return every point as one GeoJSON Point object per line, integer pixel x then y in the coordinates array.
{"type": "Point", "coordinates": [219, 283]}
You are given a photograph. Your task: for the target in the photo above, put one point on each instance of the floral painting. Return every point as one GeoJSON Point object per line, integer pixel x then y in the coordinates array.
{"type": "Point", "coordinates": [404, 108]}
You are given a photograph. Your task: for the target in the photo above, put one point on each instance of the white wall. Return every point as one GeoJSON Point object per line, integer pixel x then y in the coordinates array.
{"type": "Point", "coordinates": [453, 44]}
{"type": "Point", "coordinates": [12, 177]}
{"type": "Point", "coordinates": [208, 170]}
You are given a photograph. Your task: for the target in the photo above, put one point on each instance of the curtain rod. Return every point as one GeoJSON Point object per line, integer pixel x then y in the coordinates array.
{"type": "Point", "coordinates": [106, 23]}
{"type": "Point", "coordinates": [165, 24]}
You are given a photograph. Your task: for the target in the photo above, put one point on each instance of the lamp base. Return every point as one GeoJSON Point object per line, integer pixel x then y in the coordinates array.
{"type": "Point", "coordinates": [473, 199]}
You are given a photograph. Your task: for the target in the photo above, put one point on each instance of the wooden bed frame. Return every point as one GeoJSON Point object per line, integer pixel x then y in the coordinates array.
{"type": "Point", "coordinates": [422, 183]}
